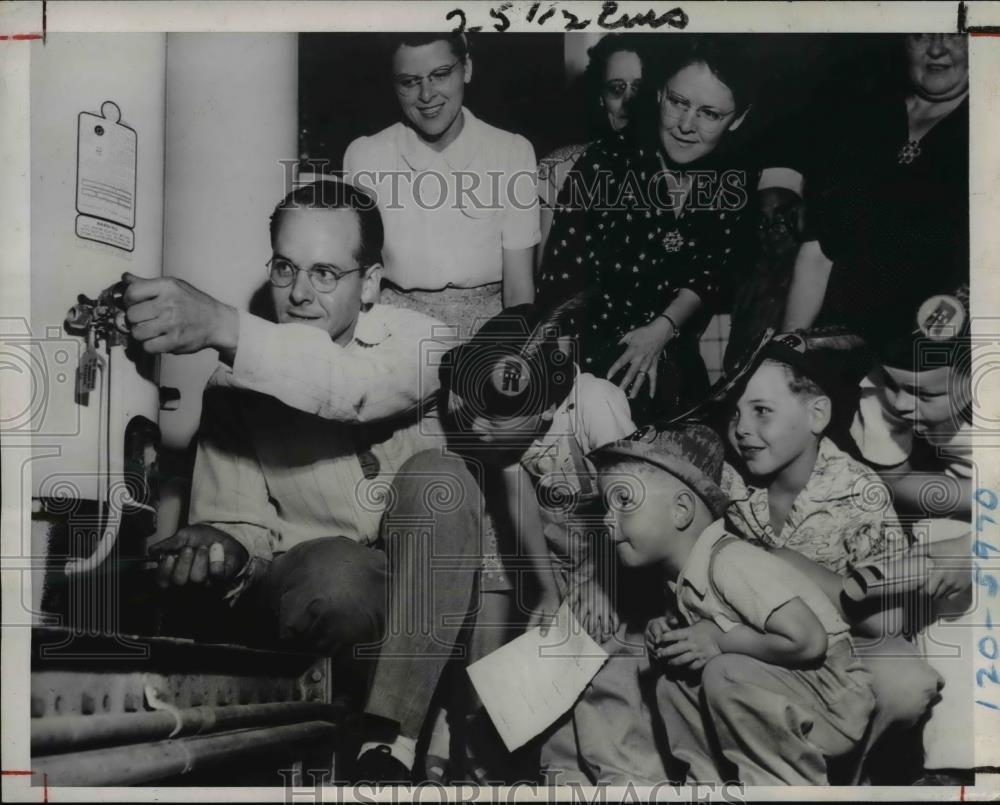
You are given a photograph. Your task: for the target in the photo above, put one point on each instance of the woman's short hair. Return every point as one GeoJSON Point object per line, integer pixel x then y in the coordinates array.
{"type": "Point", "coordinates": [592, 81]}
{"type": "Point", "coordinates": [458, 43]}
{"type": "Point", "coordinates": [727, 55]}
{"type": "Point", "coordinates": [336, 194]}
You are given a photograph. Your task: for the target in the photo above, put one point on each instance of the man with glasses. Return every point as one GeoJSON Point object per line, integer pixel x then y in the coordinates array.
{"type": "Point", "coordinates": [286, 506]}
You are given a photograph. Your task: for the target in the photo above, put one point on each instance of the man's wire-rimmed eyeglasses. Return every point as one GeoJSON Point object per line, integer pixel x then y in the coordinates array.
{"type": "Point", "coordinates": [323, 278]}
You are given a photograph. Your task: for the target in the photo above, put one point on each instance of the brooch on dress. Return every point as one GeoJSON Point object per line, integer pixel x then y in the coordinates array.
{"type": "Point", "coordinates": [673, 241]}
{"type": "Point", "coordinates": [908, 152]}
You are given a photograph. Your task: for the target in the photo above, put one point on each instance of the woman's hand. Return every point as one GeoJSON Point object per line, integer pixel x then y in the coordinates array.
{"type": "Point", "coordinates": [643, 346]}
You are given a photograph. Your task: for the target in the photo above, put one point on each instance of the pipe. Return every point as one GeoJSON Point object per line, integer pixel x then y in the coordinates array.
{"type": "Point", "coordinates": [150, 762]}
{"type": "Point", "coordinates": [65, 733]}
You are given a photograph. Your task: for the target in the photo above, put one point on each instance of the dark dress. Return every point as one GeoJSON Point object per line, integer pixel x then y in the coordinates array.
{"type": "Point", "coordinates": [896, 233]}
{"type": "Point", "coordinates": [615, 236]}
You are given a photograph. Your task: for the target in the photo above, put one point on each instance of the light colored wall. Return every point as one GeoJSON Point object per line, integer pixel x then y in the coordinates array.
{"type": "Point", "coordinates": [231, 117]}
{"type": "Point", "coordinates": [75, 73]}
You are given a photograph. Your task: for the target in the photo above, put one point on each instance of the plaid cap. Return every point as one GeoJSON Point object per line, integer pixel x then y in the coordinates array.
{"type": "Point", "coordinates": [689, 451]}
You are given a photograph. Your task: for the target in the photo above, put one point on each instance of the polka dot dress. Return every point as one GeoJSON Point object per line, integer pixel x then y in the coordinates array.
{"type": "Point", "coordinates": [619, 233]}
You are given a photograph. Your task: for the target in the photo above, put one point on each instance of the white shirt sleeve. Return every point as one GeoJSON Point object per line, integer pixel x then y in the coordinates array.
{"type": "Point", "coordinates": [228, 489]}
{"type": "Point", "coordinates": [605, 412]}
{"type": "Point", "coordinates": [882, 439]}
{"type": "Point", "coordinates": [359, 167]}
{"type": "Point", "coordinates": [300, 366]}
{"type": "Point", "coordinates": [521, 227]}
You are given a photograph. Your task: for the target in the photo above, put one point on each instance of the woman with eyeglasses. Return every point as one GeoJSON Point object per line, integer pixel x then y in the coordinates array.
{"type": "Point", "coordinates": [460, 210]}
{"type": "Point", "coordinates": [889, 196]}
{"type": "Point", "coordinates": [456, 194]}
{"type": "Point", "coordinates": [610, 84]}
{"type": "Point", "coordinates": [649, 222]}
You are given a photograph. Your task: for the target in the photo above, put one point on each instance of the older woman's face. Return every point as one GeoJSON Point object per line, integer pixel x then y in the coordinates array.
{"type": "Point", "coordinates": [622, 77]}
{"type": "Point", "coordinates": [696, 111]}
{"type": "Point", "coordinates": [430, 84]}
{"type": "Point", "coordinates": [938, 65]}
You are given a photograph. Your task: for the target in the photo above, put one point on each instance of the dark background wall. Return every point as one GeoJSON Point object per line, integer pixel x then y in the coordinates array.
{"type": "Point", "coordinates": [345, 89]}
{"type": "Point", "coordinates": [520, 84]}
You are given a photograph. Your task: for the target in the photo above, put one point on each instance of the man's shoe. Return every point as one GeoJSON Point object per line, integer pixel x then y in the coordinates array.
{"type": "Point", "coordinates": [378, 766]}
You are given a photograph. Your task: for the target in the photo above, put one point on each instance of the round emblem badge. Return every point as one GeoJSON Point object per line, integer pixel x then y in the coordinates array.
{"type": "Point", "coordinates": [510, 376]}
{"type": "Point", "coordinates": [941, 317]}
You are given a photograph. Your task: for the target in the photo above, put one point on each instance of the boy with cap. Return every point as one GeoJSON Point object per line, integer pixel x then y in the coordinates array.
{"type": "Point", "coordinates": [517, 401]}
{"type": "Point", "coordinates": [914, 425]}
{"type": "Point", "coordinates": [812, 504]}
{"type": "Point", "coordinates": [765, 662]}
{"type": "Point", "coordinates": [915, 415]}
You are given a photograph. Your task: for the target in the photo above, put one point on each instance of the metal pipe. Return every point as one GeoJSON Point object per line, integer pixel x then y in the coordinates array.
{"type": "Point", "coordinates": [146, 763]}
{"type": "Point", "coordinates": [63, 733]}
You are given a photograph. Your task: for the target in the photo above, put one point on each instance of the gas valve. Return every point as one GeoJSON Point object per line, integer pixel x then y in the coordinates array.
{"type": "Point", "coordinates": [103, 317]}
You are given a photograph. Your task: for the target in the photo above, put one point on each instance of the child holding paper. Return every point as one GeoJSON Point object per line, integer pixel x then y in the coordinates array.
{"type": "Point", "coordinates": [766, 662]}
{"type": "Point", "coordinates": [517, 401]}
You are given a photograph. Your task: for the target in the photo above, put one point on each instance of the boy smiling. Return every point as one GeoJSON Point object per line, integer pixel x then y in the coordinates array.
{"type": "Point", "coordinates": [801, 491]}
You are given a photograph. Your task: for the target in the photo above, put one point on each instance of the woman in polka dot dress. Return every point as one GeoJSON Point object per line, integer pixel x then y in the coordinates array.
{"type": "Point", "coordinates": [649, 223]}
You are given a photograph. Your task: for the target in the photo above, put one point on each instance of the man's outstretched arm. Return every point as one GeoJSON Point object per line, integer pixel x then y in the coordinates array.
{"type": "Point", "coordinates": [296, 364]}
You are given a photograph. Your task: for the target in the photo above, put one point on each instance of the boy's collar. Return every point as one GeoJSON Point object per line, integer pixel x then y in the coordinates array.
{"type": "Point", "coordinates": [695, 570]}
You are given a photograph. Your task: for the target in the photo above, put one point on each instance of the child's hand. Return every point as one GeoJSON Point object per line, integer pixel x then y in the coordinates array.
{"type": "Point", "coordinates": [544, 612]}
{"type": "Point", "coordinates": [692, 646]}
{"type": "Point", "coordinates": [944, 581]}
{"type": "Point", "coordinates": [594, 610]}
{"type": "Point", "coordinates": [656, 630]}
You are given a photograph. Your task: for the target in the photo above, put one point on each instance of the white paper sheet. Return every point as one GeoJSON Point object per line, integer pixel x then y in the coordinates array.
{"type": "Point", "coordinates": [530, 682]}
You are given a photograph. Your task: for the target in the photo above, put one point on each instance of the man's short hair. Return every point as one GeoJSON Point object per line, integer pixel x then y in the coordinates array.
{"type": "Point", "coordinates": [336, 194]}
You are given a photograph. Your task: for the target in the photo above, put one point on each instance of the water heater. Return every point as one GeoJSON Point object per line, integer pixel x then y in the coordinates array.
{"type": "Point", "coordinates": [97, 158]}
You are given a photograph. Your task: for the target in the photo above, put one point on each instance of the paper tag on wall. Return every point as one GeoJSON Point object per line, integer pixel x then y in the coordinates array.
{"type": "Point", "coordinates": [106, 169]}
{"type": "Point", "coordinates": [90, 228]}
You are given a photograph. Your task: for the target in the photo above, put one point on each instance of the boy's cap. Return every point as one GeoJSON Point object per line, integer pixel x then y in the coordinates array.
{"type": "Point", "coordinates": [689, 451]}
{"type": "Point", "coordinates": [832, 357]}
{"type": "Point", "coordinates": [940, 336]}
{"type": "Point", "coordinates": [511, 367]}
